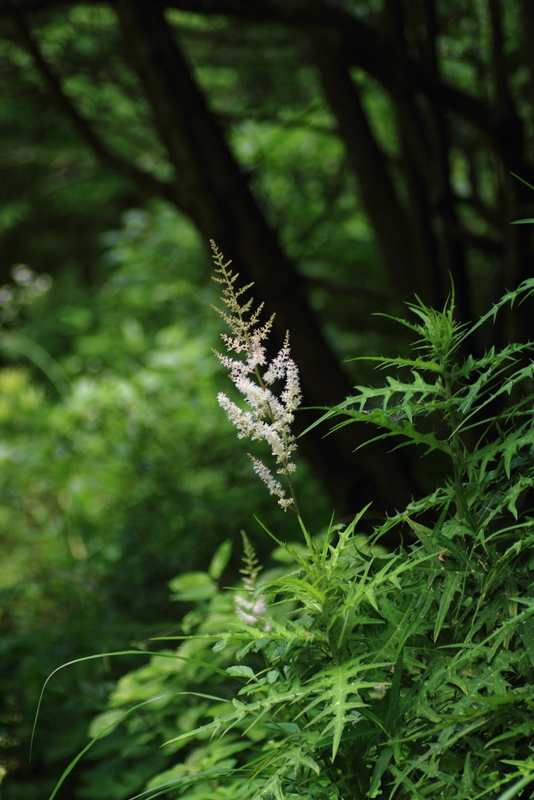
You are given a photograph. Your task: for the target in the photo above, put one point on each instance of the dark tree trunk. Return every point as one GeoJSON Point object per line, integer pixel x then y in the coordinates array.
{"type": "Point", "coordinates": [413, 202]}
{"type": "Point", "coordinates": [378, 192]}
{"type": "Point", "coordinates": [222, 206]}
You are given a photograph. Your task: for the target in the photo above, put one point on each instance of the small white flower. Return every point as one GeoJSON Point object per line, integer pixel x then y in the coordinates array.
{"type": "Point", "coordinates": [274, 486]}
{"type": "Point", "coordinates": [250, 611]}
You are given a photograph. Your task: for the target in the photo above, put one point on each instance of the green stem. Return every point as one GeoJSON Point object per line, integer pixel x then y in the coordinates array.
{"type": "Point", "coordinates": [457, 448]}
{"type": "Point", "coordinates": [334, 650]}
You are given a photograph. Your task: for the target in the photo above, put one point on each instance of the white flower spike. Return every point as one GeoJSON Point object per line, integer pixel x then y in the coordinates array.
{"type": "Point", "coordinates": [269, 417]}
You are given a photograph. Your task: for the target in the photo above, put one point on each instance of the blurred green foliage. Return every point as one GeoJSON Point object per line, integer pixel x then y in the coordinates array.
{"type": "Point", "coordinates": [109, 491]}
{"type": "Point", "coordinates": [355, 672]}
{"type": "Point", "coordinates": [117, 469]}
{"type": "Point", "coordinates": [279, 127]}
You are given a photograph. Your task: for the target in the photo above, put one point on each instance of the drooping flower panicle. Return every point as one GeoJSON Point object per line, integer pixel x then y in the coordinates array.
{"type": "Point", "coordinates": [269, 417]}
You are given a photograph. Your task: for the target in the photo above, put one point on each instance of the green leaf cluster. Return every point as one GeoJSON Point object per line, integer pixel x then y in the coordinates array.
{"type": "Point", "coordinates": [372, 674]}
{"type": "Point", "coordinates": [108, 489]}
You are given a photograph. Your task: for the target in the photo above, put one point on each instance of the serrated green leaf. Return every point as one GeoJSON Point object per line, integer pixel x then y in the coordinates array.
{"type": "Point", "coordinates": [452, 583]}
{"type": "Point", "coordinates": [240, 671]}
{"type": "Point", "coordinates": [301, 587]}
{"type": "Point", "coordinates": [393, 695]}
{"type": "Point", "coordinates": [381, 765]}
{"type": "Point", "coordinates": [332, 688]}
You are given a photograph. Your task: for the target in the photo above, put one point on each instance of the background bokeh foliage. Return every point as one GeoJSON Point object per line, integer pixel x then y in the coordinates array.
{"type": "Point", "coordinates": [344, 154]}
{"type": "Point", "coordinates": [110, 491]}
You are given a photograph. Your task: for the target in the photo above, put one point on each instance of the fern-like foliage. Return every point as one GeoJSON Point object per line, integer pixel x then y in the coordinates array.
{"type": "Point", "coordinates": [400, 676]}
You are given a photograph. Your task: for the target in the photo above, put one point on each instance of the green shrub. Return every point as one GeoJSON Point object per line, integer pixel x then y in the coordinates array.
{"type": "Point", "coordinates": [109, 491]}
{"type": "Point", "coordinates": [352, 672]}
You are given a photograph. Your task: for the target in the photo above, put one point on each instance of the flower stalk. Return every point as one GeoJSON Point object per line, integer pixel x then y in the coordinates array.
{"type": "Point", "coordinates": [253, 610]}
{"type": "Point", "coordinates": [269, 417]}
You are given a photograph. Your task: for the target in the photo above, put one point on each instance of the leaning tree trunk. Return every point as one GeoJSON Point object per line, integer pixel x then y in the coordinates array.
{"type": "Point", "coordinates": [221, 205]}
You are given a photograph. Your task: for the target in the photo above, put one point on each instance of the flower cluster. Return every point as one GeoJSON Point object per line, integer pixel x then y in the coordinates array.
{"type": "Point", "coordinates": [250, 611]}
{"type": "Point", "coordinates": [269, 417]}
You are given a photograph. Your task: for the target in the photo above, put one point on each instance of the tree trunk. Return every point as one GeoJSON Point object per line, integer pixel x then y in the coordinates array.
{"type": "Point", "coordinates": [223, 208]}
{"type": "Point", "coordinates": [376, 185]}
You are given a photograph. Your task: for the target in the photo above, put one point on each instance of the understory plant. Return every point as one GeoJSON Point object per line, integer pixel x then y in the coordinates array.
{"type": "Point", "coordinates": [349, 671]}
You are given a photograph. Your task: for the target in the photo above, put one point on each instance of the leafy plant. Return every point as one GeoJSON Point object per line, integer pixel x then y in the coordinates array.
{"type": "Point", "coordinates": [360, 673]}
{"type": "Point", "coordinates": [133, 446]}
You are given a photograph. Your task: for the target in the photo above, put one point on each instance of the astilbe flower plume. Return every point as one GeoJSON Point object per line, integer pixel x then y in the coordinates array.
{"type": "Point", "coordinates": [268, 417]}
{"type": "Point", "coordinates": [250, 611]}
